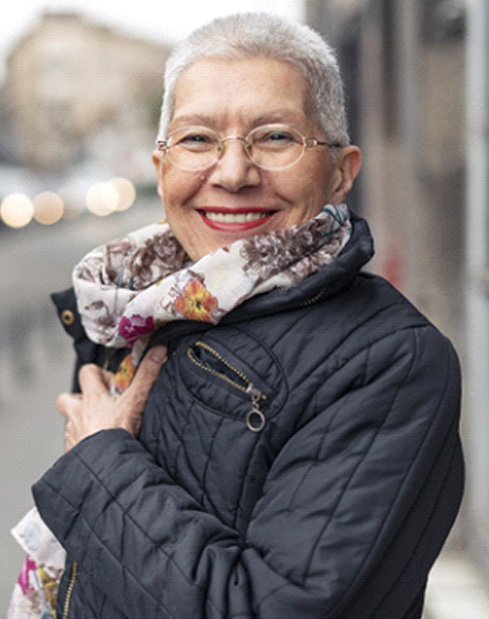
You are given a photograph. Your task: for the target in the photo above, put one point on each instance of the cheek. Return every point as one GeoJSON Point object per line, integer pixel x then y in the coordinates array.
{"type": "Point", "coordinates": [317, 185]}
{"type": "Point", "coordinates": [307, 191]}
{"type": "Point", "coordinates": [177, 187]}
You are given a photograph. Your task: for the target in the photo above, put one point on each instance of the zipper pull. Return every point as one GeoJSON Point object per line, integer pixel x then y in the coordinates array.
{"type": "Point", "coordinates": [255, 419]}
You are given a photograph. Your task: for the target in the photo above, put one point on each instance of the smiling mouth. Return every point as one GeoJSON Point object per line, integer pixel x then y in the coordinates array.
{"type": "Point", "coordinates": [236, 218]}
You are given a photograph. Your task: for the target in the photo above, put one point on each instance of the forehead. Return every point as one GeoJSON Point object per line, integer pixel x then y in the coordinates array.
{"type": "Point", "coordinates": [242, 90]}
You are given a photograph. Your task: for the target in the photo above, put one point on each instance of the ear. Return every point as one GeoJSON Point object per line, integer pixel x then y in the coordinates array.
{"type": "Point", "coordinates": [158, 163]}
{"type": "Point", "coordinates": [346, 168]}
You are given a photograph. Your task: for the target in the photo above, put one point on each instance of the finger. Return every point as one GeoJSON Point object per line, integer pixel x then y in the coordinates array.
{"type": "Point", "coordinates": [67, 401]}
{"type": "Point", "coordinates": [70, 438]}
{"type": "Point", "coordinates": [146, 374]}
{"type": "Point", "coordinates": [92, 380]}
{"type": "Point", "coordinates": [107, 377]}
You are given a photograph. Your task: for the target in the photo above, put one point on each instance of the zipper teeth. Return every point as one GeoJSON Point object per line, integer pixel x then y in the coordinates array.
{"type": "Point", "coordinates": [215, 372]}
{"type": "Point", "coordinates": [313, 299]}
{"type": "Point", "coordinates": [220, 374]}
{"type": "Point", "coordinates": [69, 591]}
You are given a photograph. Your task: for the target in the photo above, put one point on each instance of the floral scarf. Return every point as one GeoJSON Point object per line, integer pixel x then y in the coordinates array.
{"type": "Point", "coordinates": [132, 286]}
{"type": "Point", "coordinates": [35, 592]}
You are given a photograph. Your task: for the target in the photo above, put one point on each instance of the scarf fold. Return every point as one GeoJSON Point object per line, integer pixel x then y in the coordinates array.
{"type": "Point", "coordinates": [132, 286]}
{"type": "Point", "coordinates": [35, 592]}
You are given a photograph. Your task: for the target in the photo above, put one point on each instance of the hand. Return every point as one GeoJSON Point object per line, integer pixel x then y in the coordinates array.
{"type": "Point", "coordinates": [95, 409]}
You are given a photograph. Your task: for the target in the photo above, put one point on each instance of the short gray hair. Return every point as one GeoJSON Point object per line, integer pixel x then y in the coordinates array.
{"type": "Point", "coordinates": [249, 35]}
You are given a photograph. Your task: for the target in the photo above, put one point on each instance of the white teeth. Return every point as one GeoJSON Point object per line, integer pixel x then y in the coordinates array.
{"type": "Point", "coordinates": [235, 218]}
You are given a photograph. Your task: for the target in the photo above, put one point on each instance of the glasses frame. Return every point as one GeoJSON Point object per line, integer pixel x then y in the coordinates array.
{"type": "Point", "coordinates": [165, 146]}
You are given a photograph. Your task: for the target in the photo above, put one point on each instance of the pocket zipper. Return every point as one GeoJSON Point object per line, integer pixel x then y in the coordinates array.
{"type": "Point", "coordinates": [255, 419]}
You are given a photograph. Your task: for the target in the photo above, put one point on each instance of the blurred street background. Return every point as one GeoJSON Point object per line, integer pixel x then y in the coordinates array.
{"type": "Point", "coordinates": [80, 90]}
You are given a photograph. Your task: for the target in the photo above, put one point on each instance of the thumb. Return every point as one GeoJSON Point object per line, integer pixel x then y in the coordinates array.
{"type": "Point", "coordinates": [145, 376]}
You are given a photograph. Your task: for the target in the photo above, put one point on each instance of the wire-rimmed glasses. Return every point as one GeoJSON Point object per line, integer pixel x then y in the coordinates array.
{"type": "Point", "coordinates": [271, 147]}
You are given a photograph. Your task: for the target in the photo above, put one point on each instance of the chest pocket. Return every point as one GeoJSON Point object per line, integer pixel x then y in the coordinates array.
{"type": "Point", "coordinates": [232, 374]}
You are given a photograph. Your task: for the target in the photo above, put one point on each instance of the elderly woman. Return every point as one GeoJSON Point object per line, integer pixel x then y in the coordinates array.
{"type": "Point", "coordinates": [298, 455]}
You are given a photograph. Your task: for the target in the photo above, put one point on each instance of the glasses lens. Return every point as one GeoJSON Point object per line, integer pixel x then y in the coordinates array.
{"type": "Point", "coordinates": [193, 148]}
{"type": "Point", "coordinates": [274, 147]}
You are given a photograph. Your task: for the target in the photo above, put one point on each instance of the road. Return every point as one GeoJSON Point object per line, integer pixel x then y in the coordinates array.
{"type": "Point", "coordinates": [36, 356]}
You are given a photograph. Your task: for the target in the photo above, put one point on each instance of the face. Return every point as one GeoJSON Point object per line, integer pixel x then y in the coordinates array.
{"type": "Point", "coordinates": [233, 199]}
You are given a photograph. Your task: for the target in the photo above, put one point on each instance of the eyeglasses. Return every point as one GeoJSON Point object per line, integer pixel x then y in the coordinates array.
{"type": "Point", "coordinates": [271, 147]}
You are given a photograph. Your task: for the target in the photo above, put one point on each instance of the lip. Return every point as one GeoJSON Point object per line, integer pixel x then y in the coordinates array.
{"type": "Point", "coordinates": [237, 209]}
{"type": "Point", "coordinates": [235, 227]}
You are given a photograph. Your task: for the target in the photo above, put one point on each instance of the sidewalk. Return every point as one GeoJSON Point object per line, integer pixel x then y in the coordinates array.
{"type": "Point", "coordinates": [456, 590]}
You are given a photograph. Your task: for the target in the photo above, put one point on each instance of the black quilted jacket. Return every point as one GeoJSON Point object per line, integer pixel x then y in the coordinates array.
{"type": "Point", "coordinates": [300, 460]}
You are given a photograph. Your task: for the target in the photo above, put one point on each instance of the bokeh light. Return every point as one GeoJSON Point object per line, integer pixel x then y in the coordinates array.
{"type": "Point", "coordinates": [48, 208]}
{"type": "Point", "coordinates": [126, 193]}
{"type": "Point", "coordinates": [102, 199]}
{"type": "Point", "coordinates": [16, 210]}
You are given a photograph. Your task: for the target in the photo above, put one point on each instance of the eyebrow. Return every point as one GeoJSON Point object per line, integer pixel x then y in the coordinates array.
{"type": "Point", "coordinates": [193, 119]}
{"type": "Point", "coordinates": [280, 115]}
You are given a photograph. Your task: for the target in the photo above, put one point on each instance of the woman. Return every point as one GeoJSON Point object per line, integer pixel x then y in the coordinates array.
{"type": "Point", "coordinates": [298, 455]}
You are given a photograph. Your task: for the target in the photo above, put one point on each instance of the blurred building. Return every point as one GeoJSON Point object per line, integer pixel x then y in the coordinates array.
{"type": "Point", "coordinates": [417, 82]}
{"type": "Point", "coordinates": [404, 71]}
{"type": "Point", "coordinates": [75, 90]}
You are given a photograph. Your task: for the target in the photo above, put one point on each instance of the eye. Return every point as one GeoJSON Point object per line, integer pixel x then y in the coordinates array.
{"type": "Point", "coordinates": [279, 135]}
{"type": "Point", "coordinates": [274, 137]}
{"type": "Point", "coordinates": [197, 139]}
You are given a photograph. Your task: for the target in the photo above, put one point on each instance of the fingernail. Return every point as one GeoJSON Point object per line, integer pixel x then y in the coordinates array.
{"type": "Point", "coordinates": [158, 353]}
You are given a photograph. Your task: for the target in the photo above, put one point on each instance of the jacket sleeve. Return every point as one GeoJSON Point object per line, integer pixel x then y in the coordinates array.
{"type": "Point", "coordinates": [354, 511]}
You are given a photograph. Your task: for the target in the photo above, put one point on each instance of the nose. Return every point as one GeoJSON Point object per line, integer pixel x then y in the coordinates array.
{"type": "Point", "coordinates": [234, 170]}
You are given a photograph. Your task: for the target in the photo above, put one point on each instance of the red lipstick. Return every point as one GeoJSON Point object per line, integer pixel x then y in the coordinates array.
{"type": "Point", "coordinates": [223, 226]}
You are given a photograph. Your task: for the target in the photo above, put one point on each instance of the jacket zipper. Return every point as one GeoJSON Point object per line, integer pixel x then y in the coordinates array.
{"type": "Point", "coordinates": [69, 591]}
{"type": "Point", "coordinates": [255, 419]}
{"type": "Point", "coordinates": [313, 299]}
